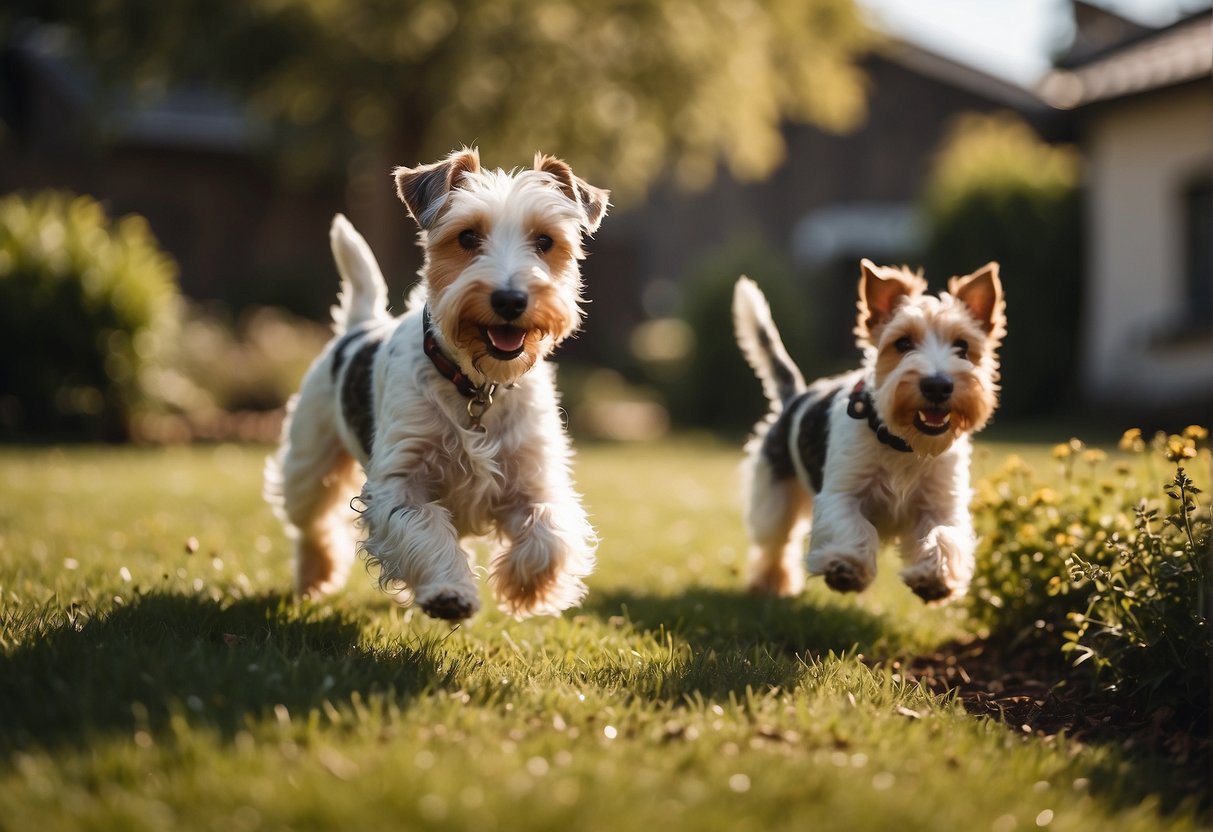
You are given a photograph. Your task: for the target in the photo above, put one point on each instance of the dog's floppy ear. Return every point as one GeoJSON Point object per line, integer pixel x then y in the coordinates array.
{"type": "Point", "coordinates": [981, 294]}
{"type": "Point", "coordinates": [592, 201]}
{"type": "Point", "coordinates": [424, 189]}
{"type": "Point", "coordinates": [881, 289]}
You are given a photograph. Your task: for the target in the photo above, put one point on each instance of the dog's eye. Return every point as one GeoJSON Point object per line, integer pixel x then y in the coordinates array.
{"type": "Point", "coordinates": [469, 240]}
{"type": "Point", "coordinates": [962, 347]}
{"type": "Point", "coordinates": [543, 243]}
{"type": "Point", "coordinates": [904, 344]}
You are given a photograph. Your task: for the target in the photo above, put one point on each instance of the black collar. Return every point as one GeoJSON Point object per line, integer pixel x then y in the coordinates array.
{"type": "Point", "coordinates": [445, 366]}
{"type": "Point", "coordinates": [861, 406]}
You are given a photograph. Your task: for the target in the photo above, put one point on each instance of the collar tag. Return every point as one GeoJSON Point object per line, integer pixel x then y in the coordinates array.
{"type": "Point", "coordinates": [480, 399]}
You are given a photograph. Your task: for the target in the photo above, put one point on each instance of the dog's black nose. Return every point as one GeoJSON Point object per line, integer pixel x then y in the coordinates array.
{"type": "Point", "coordinates": [936, 389]}
{"type": "Point", "coordinates": [508, 303]}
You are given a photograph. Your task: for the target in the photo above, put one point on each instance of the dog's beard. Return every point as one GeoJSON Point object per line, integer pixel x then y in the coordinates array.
{"type": "Point", "coordinates": [930, 428]}
{"type": "Point", "coordinates": [502, 352]}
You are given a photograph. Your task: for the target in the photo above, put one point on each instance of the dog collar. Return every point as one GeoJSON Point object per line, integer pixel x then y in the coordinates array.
{"type": "Point", "coordinates": [480, 398]}
{"type": "Point", "coordinates": [861, 406]}
{"type": "Point", "coordinates": [445, 366]}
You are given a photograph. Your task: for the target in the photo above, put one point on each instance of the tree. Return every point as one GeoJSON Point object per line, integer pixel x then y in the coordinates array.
{"type": "Point", "coordinates": [997, 192]}
{"type": "Point", "coordinates": [625, 90]}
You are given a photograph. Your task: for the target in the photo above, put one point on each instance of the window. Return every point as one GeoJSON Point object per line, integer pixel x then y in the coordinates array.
{"type": "Point", "coordinates": [1198, 258]}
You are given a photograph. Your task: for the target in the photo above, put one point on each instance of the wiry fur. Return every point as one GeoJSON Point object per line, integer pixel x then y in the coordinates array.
{"type": "Point", "coordinates": [431, 478]}
{"type": "Point", "coordinates": [809, 459]}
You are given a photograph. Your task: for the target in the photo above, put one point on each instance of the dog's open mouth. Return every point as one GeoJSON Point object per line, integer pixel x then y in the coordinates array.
{"type": "Point", "coordinates": [505, 342]}
{"type": "Point", "coordinates": [932, 421]}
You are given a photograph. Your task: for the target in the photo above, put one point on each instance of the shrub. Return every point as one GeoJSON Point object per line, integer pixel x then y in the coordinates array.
{"type": "Point", "coordinates": [1081, 563]}
{"type": "Point", "coordinates": [996, 192]}
{"type": "Point", "coordinates": [86, 306]}
{"type": "Point", "coordinates": [1145, 629]}
{"type": "Point", "coordinates": [226, 379]}
{"type": "Point", "coordinates": [716, 388]}
{"type": "Point", "coordinates": [255, 363]}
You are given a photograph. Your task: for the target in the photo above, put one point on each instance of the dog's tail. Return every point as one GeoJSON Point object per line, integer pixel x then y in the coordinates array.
{"type": "Point", "coordinates": [761, 345]}
{"type": "Point", "coordinates": [363, 294]}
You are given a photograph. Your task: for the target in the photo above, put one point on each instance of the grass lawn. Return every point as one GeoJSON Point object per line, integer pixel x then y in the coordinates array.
{"type": "Point", "coordinates": [147, 686]}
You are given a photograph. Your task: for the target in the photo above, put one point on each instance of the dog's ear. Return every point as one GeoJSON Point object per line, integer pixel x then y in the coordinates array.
{"type": "Point", "coordinates": [424, 189]}
{"type": "Point", "coordinates": [592, 201]}
{"type": "Point", "coordinates": [881, 289]}
{"type": "Point", "coordinates": [981, 294]}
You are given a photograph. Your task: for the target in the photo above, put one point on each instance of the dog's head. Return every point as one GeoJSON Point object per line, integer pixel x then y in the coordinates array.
{"type": "Point", "coordinates": [501, 256]}
{"type": "Point", "coordinates": [935, 359]}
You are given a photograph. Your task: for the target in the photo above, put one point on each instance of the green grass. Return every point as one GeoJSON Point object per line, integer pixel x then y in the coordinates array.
{"type": "Point", "coordinates": [146, 687]}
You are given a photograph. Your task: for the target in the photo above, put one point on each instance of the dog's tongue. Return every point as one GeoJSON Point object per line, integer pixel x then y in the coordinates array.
{"type": "Point", "coordinates": [506, 338]}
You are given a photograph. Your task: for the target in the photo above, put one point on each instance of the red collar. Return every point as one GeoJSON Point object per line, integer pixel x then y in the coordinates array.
{"type": "Point", "coordinates": [445, 366]}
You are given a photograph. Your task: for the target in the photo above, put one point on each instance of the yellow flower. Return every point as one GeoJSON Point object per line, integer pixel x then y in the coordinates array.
{"type": "Point", "coordinates": [1131, 441]}
{"type": "Point", "coordinates": [1061, 451]}
{"type": "Point", "coordinates": [1094, 456]}
{"type": "Point", "coordinates": [1014, 464]}
{"type": "Point", "coordinates": [1178, 449]}
{"type": "Point", "coordinates": [1044, 496]}
{"type": "Point", "coordinates": [1196, 432]}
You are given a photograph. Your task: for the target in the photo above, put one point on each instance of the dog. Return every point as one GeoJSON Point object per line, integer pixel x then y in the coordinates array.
{"type": "Point", "coordinates": [879, 452]}
{"type": "Point", "coordinates": [450, 411]}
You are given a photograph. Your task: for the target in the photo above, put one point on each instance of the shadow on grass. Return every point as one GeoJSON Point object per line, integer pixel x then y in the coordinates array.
{"type": "Point", "coordinates": [737, 640]}
{"type": "Point", "coordinates": [218, 664]}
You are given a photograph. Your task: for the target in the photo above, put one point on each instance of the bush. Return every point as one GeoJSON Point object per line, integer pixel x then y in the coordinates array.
{"type": "Point", "coordinates": [1145, 629]}
{"type": "Point", "coordinates": [228, 379]}
{"type": "Point", "coordinates": [715, 388]}
{"type": "Point", "coordinates": [86, 307]}
{"type": "Point", "coordinates": [1082, 564]}
{"type": "Point", "coordinates": [996, 192]}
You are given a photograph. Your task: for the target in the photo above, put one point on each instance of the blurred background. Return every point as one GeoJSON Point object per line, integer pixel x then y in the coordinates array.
{"type": "Point", "coordinates": [169, 168]}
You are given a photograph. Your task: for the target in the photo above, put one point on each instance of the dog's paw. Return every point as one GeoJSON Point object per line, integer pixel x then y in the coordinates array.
{"type": "Point", "coordinates": [449, 603]}
{"type": "Point", "coordinates": [844, 576]}
{"type": "Point", "coordinates": [931, 591]}
{"type": "Point", "coordinates": [929, 585]}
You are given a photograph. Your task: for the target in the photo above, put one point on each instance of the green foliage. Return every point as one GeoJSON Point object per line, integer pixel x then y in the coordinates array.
{"type": "Point", "coordinates": [86, 306]}
{"type": "Point", "coordinates": [1145, 630]}
{"type": "Point", "coordinates": [715, 388]}
{"type": "Point", "coordinates": [998, 193]}
{"type": "Point", "coordinates": [625, 91]}
{"type": "Point", "coordinates": [255, 363]}
{"type": "Point", "coordinates": [222, 379]}
{"type": "Point", "coordinates": [1084, 563]}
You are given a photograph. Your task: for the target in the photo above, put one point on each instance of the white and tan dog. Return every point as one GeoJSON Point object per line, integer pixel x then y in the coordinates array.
{"type": "Point", "coordinates": [879, 452]}
{"type": "Point", "coordinates": [450, 409]}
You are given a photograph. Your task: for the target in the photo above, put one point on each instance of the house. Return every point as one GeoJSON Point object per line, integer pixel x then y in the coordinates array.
{"type": "Point", "coordinates": [1141, 108]}
{"type": "Point", "coordinates": [835, 199]}
{"type": "Point", "coordinates": [192, 163]}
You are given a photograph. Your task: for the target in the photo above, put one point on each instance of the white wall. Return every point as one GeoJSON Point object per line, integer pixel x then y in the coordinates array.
{"type": "Point", "coordinates": [1141, 153]}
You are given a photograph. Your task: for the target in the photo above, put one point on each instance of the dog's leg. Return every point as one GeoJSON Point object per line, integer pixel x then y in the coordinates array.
{"type": "Point", "coordinates": [551, 542]}
{"type": "Point", "coordinates": [311, 481]}
{"type": "Point", "coordinates": [844, 543]}
{"type": "Point", "coordinates": [938, 549]}
{"type": "Point", "coordinates": [551, 552]}
{"type": "Point", "coordinates": [939, 556]}
{"type": "Point", "coordinates": [414, 542]}
{"type": "Point", "coordinates": [777, 517]}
